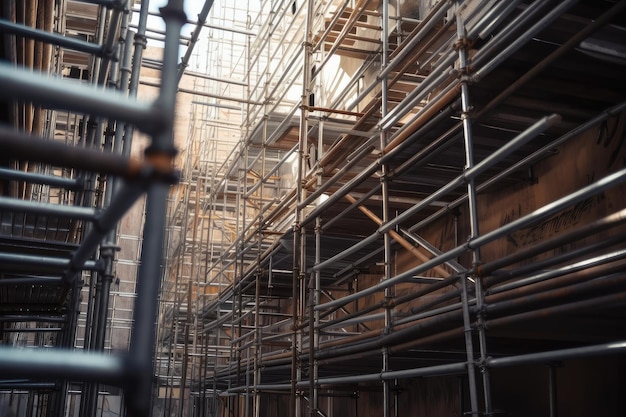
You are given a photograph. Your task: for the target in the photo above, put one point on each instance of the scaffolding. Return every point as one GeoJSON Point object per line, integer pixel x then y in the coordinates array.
{"type": "Point", "coordinates": [382, 207]}
{"type": "Point", "coordinates": [391, 208]}
{"type": "Point", "coordinates": [79, 280]}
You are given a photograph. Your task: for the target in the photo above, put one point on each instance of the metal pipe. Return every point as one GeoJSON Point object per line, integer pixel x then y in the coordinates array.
{"type": "Point", "coordinates": [545, 211]}
{"type": "Point", "coordinates": [468, 141]}
{"type": "Point", "coordinates": [435, 370]}
{"type": "Point", "coordinates": [407, 335]}
{"type": "Point", "coordinates": [52, 38]}
{"type": "Point", "coordinates": [472, 172]}
{"type": "Point", "coordinates": [571, 43]}
{"type": "Point", "coordinates": [52, 180]}
{"type": "Point", "coordinates": [504, 36]}
{"type": "Point", "coordinates": [435, 16]}
{"type": "Point", "coordinates": [566, 276]}
{"type": "Point", "coordinates": [336, 177]}
{"type": "Point", "coordinates": [502, 276]}
{"type": "Point", "coordinates": [554, 207]}
{"type": "Point", "coordinates": [70, 95]}
{"type": "Point", "coordinates": [31, 318]}
{"type": "Point", "coordinates": [32, 148]}
{"type": "Point", "coordinates": [357, 11]}
{"type": "Point", "coordinates": [202, 16]}
{"type": "Point", "coordinates": [535, 156]}
{"type": "Point", "coordinates": [435, 13]}
{"type": "Point", "coordinates": [397, 237]}
{"type": "Point", "coordinates": [519, 41]}
{"type": "Point", "coordinates": [149, 275]}
{"type": "Point", "coordinates": [108, 218]}
{"type": "Point", "coordinates": [610, 221]}
{"type": "Point", "coordinates": [573, 307]}
{"type": "Point", "coordinates": [49, 209]}
{"type": "Point", "coordinates": [612, 348]}
{"type": "Point", "coordinates": [45, 261]}
{"type": "Point", "coordinates": [469, 174]}
{"type": "Point", "coordinates": [365, 173]}
{"type": "Point", "coordinates": [552, 389]}
{"type": "Point", "coordinates": [56, 363]}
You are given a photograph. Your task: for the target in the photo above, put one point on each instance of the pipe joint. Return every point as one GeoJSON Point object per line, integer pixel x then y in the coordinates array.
{"type": "Point", "coordinates": [481, 363]}
{"type": "Point", "coordinates": [462, 43]}
{"type": "Point", "coordinates": [174, 12]}
{"type": "Point", "coordinates": [109, 249]}
{"type": "Point", "coordinates": [119, 5]}
{"type": "Point", "coordinates": [158, 165]}
{"type": "Point", "coordinates": [110, 53]}
{"type": "Point", "coordinates": [467, 114]}
{"type": "Point", "coordinates": [481, 314]}
{"type": "Point", "coordinates": [140, 40]}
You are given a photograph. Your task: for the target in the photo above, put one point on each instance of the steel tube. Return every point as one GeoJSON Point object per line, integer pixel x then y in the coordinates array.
{"type": "Point", "coordinates": [124, 198]}
{"type": "Point", "coordinates": [472, 172]}
{"type": "Point", "coordinates": [571, 43]}
{"type": "Point", "coordinates": [55, 181]}
{"type": "Point", "coordinates": [502, 276]}
{"type": "Point", "coordinates": [367, 172]}
{"type": "Point", "coordinates": [436, 370]}
{"type": "Point", "coordinates": [499, 42]}
{"type": "Point", "coordinates": [336, 177]}
{"type": "Point", "coordinates": [202, 16]}
{"type": "Point", "coordinates": [150, 273]}
{"type": "Point", "coordinates": [568, 269]}
{"type": "Point", "coordinates": [52, 38]}
{"type": "Point", "coordinates": [31, 318]}
{"type": "Point", "coordinates": [610, 221]}
{"type": "Point", "coordinates": [544, 22]}
{"type": "Point", "coordinates": [545, 211]}
{"type": "Point", "coordinates": [534, 157]}
{"type": "Point", "coordinates": [49, 209]}
{"type": "Point", "coordinates": [566, 308]}
{"type": "Point", "coordinates": [47, 261]}
{"type": "Point", "coordinates": [612, 348]}
{"type": "Point", "coordinates": [24, 146]}
{"type": "Point", "coordinates": [70, 95]}
{"type": "Point", "coordinates": [595, 281]}
{"type": "Point", "coordinates": [554, 207]}
{"type": "Point", "coordinates": [435, 16]}
{"type": "Point", "coordinates": [56, 363]}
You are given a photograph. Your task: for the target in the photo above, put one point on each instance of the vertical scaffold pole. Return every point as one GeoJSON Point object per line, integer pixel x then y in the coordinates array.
{"type": "Point", "coordinates": [467, 136]}
{"type": "Point", "coordinates": [162, 150]}
{"type": "Point", "coordinates": [389, 293]}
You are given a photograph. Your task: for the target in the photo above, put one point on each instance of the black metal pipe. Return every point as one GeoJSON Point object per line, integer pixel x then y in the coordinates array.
{"type": "Point", "coordinates": [138, 396]}
{"type": "Point", "coordinates": [612, 348]}
{"type": "Point", "coordinates": [54, 181]}
{"type": "Point", "coordinates": [612, 220]}
{"type": "Point", "coordinates": [606, 279]}
{"type": "Point", "coordinates": [23, 146]}
{"type": "Point", "coordinates": [52, 38]}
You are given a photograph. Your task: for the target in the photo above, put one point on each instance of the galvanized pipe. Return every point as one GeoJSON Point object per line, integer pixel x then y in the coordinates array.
{"type": "Point", "coordinates": [469, 174]}
{"type": "Point", "coordinates": [472, 172]}
{"type": "Point", "coordinates": [545, 211]}
{"type": "Point", "coordinates": [530, 159]}
{"type": "Point", "coordinates": [612, 348]}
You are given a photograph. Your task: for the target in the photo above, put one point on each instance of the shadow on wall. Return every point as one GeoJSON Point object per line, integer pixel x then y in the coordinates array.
{"type": "Point", "coordinates": [584, 387]}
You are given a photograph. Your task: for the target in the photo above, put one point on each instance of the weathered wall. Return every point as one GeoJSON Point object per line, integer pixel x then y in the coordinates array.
{"type": "Point", "coordinates": [583, 160]}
